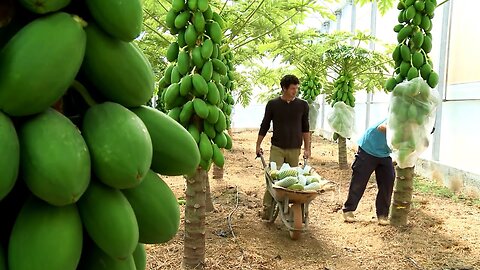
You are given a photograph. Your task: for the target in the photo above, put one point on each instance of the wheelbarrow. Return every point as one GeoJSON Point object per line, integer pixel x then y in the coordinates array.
{"type": "Point", "coordinates": [292, 205]}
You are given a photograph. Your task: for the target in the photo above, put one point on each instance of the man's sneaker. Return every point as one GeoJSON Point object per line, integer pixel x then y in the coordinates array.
{"type": "Point", "coordinates": [349, 217]}
{"type": "Point", "coordinates": [383, 221]}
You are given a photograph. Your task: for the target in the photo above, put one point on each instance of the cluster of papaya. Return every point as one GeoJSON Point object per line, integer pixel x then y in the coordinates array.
{"type": "Point", "coordinates": [413, 102]}
{"type": "Point", "coordinates": [310, 87]}
{"type": "Point", "coordinates": [412, 110]}
{"type": "Point", "coordinates": [229, 82]}
{"type": "Point", "coordinates": [343, 90]}
{"type": "Point", "coordinates": [414, 43]}
{"type": "Point", "coordinates": [197, 84]}
{"type": "Point", "coordinates": [79, 187]}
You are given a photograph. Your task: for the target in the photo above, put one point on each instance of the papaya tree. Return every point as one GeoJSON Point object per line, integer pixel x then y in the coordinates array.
{"type": "Point", "coordinates": [413, 101]}
{"type": "Point", "coordinates": [260, 21]}
{"type": "Point", "coordinates": [350, 69]}
{"type": "Point", "coordinates": [194, 97]}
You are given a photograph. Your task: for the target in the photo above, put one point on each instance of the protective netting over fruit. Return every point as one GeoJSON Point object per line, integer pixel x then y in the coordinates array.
{"type": "Point", "coordinates": [342, 119]}
{"type": "Point", "coordinates": [313, 114]}
{"type": "Point", "coordinates": [411, 119]}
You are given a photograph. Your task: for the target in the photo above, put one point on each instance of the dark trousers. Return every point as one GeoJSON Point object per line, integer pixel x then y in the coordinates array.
{"type": "Point", "coordinates": [363, 167]}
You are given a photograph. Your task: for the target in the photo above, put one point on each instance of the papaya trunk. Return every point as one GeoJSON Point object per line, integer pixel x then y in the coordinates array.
{"type": "Point", "coordinates": [208, 197]}
{"type": "Point", "coordinates": [402, 196]}
{"type": "Point", "coordinates": [217, 173]}
{"type": "Point", "coordinates": [194, 239]}
{"type": "Point", "coordinates": [342, 153]}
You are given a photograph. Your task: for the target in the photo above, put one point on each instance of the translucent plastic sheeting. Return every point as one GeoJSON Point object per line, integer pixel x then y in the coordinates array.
{"type": "Point", "coordinates": [342, 119]}
{"type": "Point", "coordinates": [411, 118]}
{"type": "Point", "coordinates": [313, 109]}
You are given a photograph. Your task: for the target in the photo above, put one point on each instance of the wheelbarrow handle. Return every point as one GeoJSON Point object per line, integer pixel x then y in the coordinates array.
{"type": "Point", "coordinates": [259, 155]}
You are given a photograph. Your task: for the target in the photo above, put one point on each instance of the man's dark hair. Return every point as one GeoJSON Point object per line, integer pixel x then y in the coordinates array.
{"type": "Point", "coordinates": [287, 80]}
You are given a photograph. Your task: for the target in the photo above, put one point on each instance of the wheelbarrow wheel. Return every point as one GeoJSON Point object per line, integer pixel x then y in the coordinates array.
{"type": "Point", "coordinates": [274, 212]}
{"type": "Point", "coordinates": [297, 221]}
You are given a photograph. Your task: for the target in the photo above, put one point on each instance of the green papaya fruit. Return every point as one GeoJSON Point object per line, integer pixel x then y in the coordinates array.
{"type": "Point", "coordinates": [200, 108]}
{"type": "Point", "coordinates": [54, 158]}
{"type": "Point", "coordinates": [121, 19]}
{"type": "Point", "coordinates": [207, 48]}
{"type": "Point", "coordinates": [186, 113]}
{"type": "Point", "coordinates": [199, 84]}
{"type": "Point", "coordinates": [214, 31]}
{"type": "Point", "coordinates": [117, 69]}
{"type": "Point", "coordinates": [191, 36]}
{"type": "Point", "coordinates": [207, 70]}
{"type": "Point", "coordinates": [182, 19]}
{"type": "Point", "coordinates": [46, 7]}
{"type": "Point", "coordinates": [197, 58]}
{"type": "Point", "coordinates": [193, 130]}
{"type": "Point", "coordinates": [109, 220]}
{"type": "Point", "coordinates": [218, 157]}
{"type": "Point", "coordinates": [213, 114]}
{"type": "Point", "coordinates": [171, 94]}
{"type": "Point", "coordinates": [221, 124]}
{"type": "Point", "coordinates": [199, 22]}
{"type": "Point", "coordinates": [10, 159]}
{"type": "Point", "coordinates": [209, 130]}
{"type": "Point", "coordinates": [433, 79]}
{"type": "Point", "coordinates": [174, 150]}
{"type": "Point", "coordinates": [93, 258]}
{"type": "Point", "coordinates": [26, 86]}
{"type": "Point", "coordinates": [405, 53]}
{"type": "Point", "coordinates": [178, 5]}
{"type": "Point", "coordinates": [220, 140]}
{"type": "Point", "coordinates": [202, 5]}
{"type": "Point", "coordinates": [229, 142]}
{"type": "Point", "coordinates": [175, 113]}
{"type": "Point", "coordinates": [417, 59]}
{"type": "Point", "coordinates": [213, 95]}
{"type": "Point", "coordinates": [412, 73]}
{"type": "Point", "coordinates": [156, 209]}
{"type": "Point", "coordinates": [45, 237]}
{"type": "Point", "coordinates": [192, 5]}
{"type": "Point", "coordinates": [181, 39]}
{"type": "Point", "coordinates": [205, 146]}
{"type": "Point", "coordinates": [185, 85]}
{"type": "Point", "coordinates": [175, 77]}
{"type": "Point", "coordinates": [183, 63]}
{"type": "Point", "coordinates": [119, 143]}
{"type": "Point", "coordinates": [404, 33]}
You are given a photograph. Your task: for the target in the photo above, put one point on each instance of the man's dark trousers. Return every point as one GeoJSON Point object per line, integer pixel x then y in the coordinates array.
{"type": "Point", "coordinates": [363, 167]}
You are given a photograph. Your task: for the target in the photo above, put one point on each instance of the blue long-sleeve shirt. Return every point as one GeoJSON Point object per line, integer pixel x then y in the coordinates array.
{"type": "Point", "coordinates": [374, 142]}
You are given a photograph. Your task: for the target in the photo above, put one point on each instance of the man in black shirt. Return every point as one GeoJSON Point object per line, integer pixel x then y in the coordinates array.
{"type": "Point", "coordinates": [290, 127]}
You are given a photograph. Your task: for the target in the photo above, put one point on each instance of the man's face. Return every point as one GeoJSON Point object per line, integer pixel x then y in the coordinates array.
{"type": "Point", "coordinates": [291, 91]}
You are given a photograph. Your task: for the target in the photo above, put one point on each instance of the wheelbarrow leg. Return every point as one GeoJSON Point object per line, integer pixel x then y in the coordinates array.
{"type": "Point", "coordinates": [274, 212]}
{"type": "Point", "coordinates": [297, 216]}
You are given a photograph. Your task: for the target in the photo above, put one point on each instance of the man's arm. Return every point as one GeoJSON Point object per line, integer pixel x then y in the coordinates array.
{"type": "Point", "coordinates": [306, 145]}
{"type": "Point", "coordinates": [306, 132]}
{"type": "Point", "coordinates": [382, 128]}
{"type": "Point", "coordinates": [264, 127]}
{"type": "Point", "coordinates": [259, 150]}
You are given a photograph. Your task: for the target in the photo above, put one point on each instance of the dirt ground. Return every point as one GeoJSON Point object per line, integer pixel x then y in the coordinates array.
{"type": "Point", "coordinates": [442, 233]}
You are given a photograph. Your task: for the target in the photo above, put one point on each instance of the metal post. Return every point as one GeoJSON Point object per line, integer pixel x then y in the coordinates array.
{"type": "Point", "coordinates": [353, 24]}
{"type": "Point", "coordinates": [338, 15]}
{"type": "Point", "coordinates": [373, 29]}
{"type": "Point", "coordinates": [326, 28]}
{"type": "Point", "coordinates": [442, 73]}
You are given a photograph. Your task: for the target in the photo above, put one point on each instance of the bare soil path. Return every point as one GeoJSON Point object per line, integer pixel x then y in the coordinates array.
{"type": "Point", "coordinates": [442, 233]}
